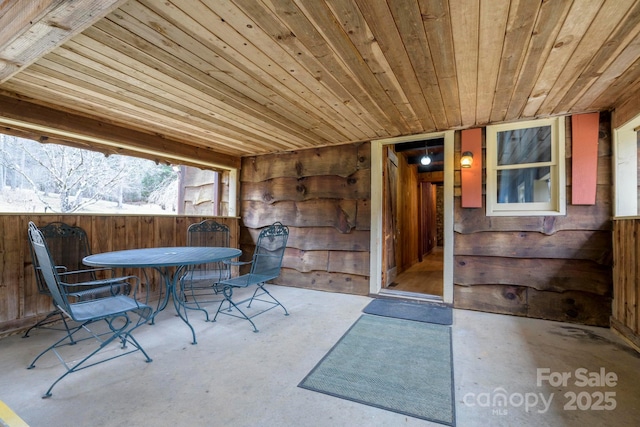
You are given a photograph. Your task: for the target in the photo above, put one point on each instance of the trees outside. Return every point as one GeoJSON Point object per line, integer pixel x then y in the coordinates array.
{"type": "Point", "coordinates": [56, 178]}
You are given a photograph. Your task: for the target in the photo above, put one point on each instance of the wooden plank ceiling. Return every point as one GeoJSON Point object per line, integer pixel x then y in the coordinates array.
{"type": "Point", "coordinates": [235, 78]}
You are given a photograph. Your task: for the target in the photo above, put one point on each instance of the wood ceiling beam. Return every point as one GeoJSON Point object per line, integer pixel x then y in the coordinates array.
{"type": "Point", "coordinates": [419, 145]}
{"type": "Point", "coordinates": [59, 126]}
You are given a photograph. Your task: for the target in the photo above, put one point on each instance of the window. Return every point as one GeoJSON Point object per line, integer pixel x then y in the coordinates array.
{"type": "Point", "coordinates": [36, 177]}
{"type": "Point", "coordinates": [526, 168]}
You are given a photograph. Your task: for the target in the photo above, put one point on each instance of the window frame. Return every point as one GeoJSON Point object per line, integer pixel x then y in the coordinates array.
{"type": "Point", "coordinates": [557, 203]}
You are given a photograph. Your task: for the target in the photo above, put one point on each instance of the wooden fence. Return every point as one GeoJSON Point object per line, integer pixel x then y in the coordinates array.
{"type": "Point", "coordinates": [20, 303]}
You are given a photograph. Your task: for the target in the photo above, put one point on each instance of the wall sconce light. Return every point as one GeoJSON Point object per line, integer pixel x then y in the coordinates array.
{"type": "Point", "coordinates": [466, 160]}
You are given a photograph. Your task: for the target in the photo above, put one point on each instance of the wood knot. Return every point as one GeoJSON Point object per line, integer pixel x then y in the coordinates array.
{"type": "Point", "coordinates": [572, 313]}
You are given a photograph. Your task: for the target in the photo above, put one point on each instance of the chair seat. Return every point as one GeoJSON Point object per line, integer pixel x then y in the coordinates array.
{"type": "Point", "coordinates": [248, 280]}
{"type": "Point", "coordinates": [105, 307]}
{"type": "Point", "coordinates": [211, 276]}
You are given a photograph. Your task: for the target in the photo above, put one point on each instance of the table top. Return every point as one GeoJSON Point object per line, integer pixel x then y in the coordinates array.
{"type": "Point", "coordinates": [162, 257]}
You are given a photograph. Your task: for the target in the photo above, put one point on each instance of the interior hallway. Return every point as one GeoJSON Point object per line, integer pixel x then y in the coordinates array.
{"type": "Point", "coordinates": [234, 377]}
{"type": "Point", "coordinates": [425, 277]}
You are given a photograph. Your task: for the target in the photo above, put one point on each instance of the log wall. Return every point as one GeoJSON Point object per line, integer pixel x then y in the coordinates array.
{"type": "Point", "coordinates": [549, 267]}
{"type": "Point", "coordinates": [323, 196]}
{"type": "Point", "coordinates": [555, 267]}
{"type": "Point", "coordinates": [625, 317]}
{"type": "Point", "coordinates": [200, 190]}
{"type": "Point", "coordinates": [20, 303]}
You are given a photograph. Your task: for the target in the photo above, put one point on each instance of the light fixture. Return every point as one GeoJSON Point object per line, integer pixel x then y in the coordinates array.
{"type": "Point", "coordinates": [466, 160]}
{"type": "Point", "coordinates": [425, 160]}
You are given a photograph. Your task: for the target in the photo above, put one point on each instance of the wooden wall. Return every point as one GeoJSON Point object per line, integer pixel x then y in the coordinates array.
{"type": "Point", "coordinates": [638, 176]}
{"type": "Point", "coordinates": [408, 214]}
{"type": "Point", "coordinates": [626, 111]}
{"type": "Point", "coordinates": [554, 267]}
{"type": "Point", "coordinates": [200, 189]}
{"type": "Point", "coordinates": [437, 178]}
{"type": "Point", "coordinates": [626, 279]}
{"type": "Point", "coordinates": [20, 303]}
{"type": "Point", "coordinates": [323, 196]}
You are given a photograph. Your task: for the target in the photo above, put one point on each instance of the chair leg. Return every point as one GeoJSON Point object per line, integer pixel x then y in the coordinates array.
{"type": "Point", "coordinates": [56, 345]}
{"type": "Point", "coordinates": [123, 333]}
{"type": "Point", "coordinates": [48, 319]}
{"type": "Point", "coordinates": [228, 293]}
{"type": "Point", "coordinates": [266, 292]}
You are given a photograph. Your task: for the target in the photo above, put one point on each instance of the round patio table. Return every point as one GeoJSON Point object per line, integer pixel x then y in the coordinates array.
{"type": "Point", "coordinates": [169, 262]}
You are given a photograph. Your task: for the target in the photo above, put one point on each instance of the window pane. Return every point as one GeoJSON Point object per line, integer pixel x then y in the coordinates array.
{"type": "Point", "coordinates": [530, 145]}
{"type": "Point", "coordinates": [528, 185]}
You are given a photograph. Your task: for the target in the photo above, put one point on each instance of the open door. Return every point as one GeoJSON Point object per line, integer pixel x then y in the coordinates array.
{"type": "Point", "coordinates": [390, 229]}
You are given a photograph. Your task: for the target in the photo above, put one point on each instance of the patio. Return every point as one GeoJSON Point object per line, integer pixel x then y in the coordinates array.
{"type": "Point", "coordinates": [236, 377]}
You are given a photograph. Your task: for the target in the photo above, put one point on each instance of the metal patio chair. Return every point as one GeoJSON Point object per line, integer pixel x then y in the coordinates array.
{"type": "Point", "coordinates": [265, 265]}
{"type": "Point", "coordinates": [69, 245]}
{"type": "Point", "coordinates": [198, 284]}
{"type": "Point", "coordinates": [121, 314]}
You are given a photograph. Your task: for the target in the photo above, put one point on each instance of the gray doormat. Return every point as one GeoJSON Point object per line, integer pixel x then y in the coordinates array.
{"type": "Point", "coordinates": [410, 310]}
{"type": "Point", "coordinates": [393, 364]}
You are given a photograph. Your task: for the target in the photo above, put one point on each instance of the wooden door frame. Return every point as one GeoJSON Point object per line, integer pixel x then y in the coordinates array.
{"type": "Point", "coordinates": [375, 263]}
{"type": "Point", "coordinates": [625, 168]}
{"type": "Point", "coordinates": [390, 195]}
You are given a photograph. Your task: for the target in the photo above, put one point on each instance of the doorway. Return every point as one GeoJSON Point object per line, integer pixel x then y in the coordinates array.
{"type": "Point", "coordinates": [425, 273]}
{"type": "Point", "coordinates": [410, 255]}
{"type": "Point", "coordinates": [414, 172]}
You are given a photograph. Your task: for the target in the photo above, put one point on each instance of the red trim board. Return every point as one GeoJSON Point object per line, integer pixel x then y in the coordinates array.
{"type": "Point", "coordinates": [584, 158]}
{"type": "Point", "coordinates": [472, 177]}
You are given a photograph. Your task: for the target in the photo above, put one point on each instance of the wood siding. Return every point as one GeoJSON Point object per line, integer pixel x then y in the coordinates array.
{"type": "Point", "coordinates": [550, 267]}
{"type": "Point", "coordinates": [323, 196]}
{"type": "Point", "coordinates": [554, 267]}
{"type": "Point", "coordinates": [626, 279]}
{"type": "Point", "coordinates": [201, 189]}
{"type": "Point", "coordinates": [20, 303]}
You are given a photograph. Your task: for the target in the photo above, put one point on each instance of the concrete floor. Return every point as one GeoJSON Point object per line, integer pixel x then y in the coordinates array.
{"type": "Point", "coordinates": [235, 377]}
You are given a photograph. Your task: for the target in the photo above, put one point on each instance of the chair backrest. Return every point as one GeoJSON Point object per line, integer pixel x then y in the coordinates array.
{"type": "Point", "coordinates": [68, 245]}
{"type": "Point", "coordinates": [208, 233]}
{"type": "Point", "coordinates": [211, 234]}
{"type": "Point", "coordinates": [267, 258]}
{"type": "Point", "coordinates": [47, 268]}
